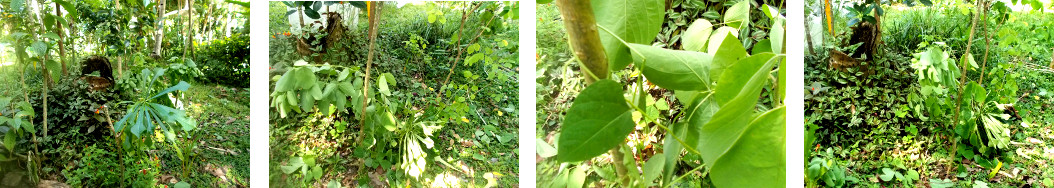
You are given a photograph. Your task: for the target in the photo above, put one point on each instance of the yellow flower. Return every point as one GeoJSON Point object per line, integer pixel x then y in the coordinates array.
{"type": "Point", "coordinates": [464, 119]}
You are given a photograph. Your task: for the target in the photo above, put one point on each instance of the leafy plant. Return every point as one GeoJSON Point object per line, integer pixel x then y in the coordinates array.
{"type": "Point", "coordinates": [302, 86]}
{"type": "Point", "coordinates": [601, 116]}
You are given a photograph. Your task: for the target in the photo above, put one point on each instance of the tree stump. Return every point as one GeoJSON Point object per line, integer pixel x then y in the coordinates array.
{"type": "Point", "coordinates": [96, 71]}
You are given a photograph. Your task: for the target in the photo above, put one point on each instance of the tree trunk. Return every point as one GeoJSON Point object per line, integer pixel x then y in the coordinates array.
{"type": "Point", "coordinates": [62, 46]}
{"type": "Point", "coordinates": [374, 22]}
{"type": "Point", "coordinates": [584, 38]}
{"type": "Point", "coordinates": [186, 34]}
{"type": "Point", "coordinates": [962, 77]}
{"type": "Point", "coordinates": [159, 29]}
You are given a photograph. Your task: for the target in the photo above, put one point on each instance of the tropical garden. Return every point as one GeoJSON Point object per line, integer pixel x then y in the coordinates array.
{"type": "Point", "coordinates": [929, 93]}
{"type": "Point", "coordinates": [393, 94]}
{"type": "Point", "coordinates": [653, 93]}
{"type": "Point", "coordinates": [124, 93]}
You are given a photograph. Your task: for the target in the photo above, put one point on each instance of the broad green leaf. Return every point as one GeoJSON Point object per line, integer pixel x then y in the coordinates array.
{"type": "Point", "coordinates": [635, 21]}
{"type": "Point", "coordinates": [181, 184]}
{"type": "Point", "coordinates": [732, 143]}
{"type": "Point", "coordinates": [51, 36]}
{"type": "Point", "coordinates": [771, 11]}
{"type": "Point", "coordinates": [296, 79]}
{"type": "Point", "coordinates": [9, 140]}
{"type": "Point", "coordinates": [700, 110]}
{"type": "Point", "coordinates": [762, 46]}
{"type": "Point", "coordinates": [727, 52]}
{"type": "Point", "coordinates": [746, 78]}
{"type": "Point", "coordinates": [887, 174]}
{"type": "Point", "coordinates": [738, 16]}
{"type": "Point", "coordinates": [717, 38]}
{"type": "Point", "coordinates": [474, 58]}
{"type": "Point", "coordinates": [694, 39]}
{"type": "Point", "coordinates": [294, 163]}
{"type": "Point", "coordinates": [28, 126]}
{"type": "Point", "coordinates": [344, 74]}
{"type": "Point", "coordinates": [39, 48]}
{"type": "Point", "coordinates": [307, 102]}
{"type": "Point", "coordinates": [577, 177]}
{"type": "Point", "coordinates": [544, 149]}
{"type": "Point", "coordinates": [316, 172]}
{"type": "Point", "coordinates": [977, 92]}
{"type": "Point", "coordinates": [315, 91]}
{"type": "Point", "coordinates": [71, 10]}
{"type": "Point", "coordinates": [653, 168]}
{"type": "Point", "coordinates": [673, 69]}
{"type": "Point", "coordinates": [970, 62]}
{"type": "Point", "coordinates": [382, 86]}
{"type": "Point", "coordinates": [757, 148]}
{"type": "Point", "coordinates": [390, 77]}
{"type": "Point", "coordinates": [17, 5]}
{"type": "Point", "coordinates": [776, 34]}
{"type": "Point", "coordinates": [672, 148]}
{"type": "Point", "coordinates": [431, 18]}
{"type": "Point", "coordinates": [473, 48]}
{"type": "Point", "coordinates": [311, 13]}
{"type": "Point", "coordinates": [598, 120]}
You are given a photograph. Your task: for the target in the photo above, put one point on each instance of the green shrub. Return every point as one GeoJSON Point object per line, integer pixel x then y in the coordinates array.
{"type": "Point", "coordinates": [101, 167]}
{"type": "Point", "coordinates": [226, 61]}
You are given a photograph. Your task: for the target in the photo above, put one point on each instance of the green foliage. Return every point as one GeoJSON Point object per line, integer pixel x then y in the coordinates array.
{"type": "Point", "coordinates": [97, 165]}
{"type": "Point", "coordinates": [19, 122]}
{"type": "Point", "coordinates": [714, 127]}
{"type": "Point", "coordinates": [225, 61]}
{"type": "Point", "coordinates": [145, 115]}
{"type": "Point", "coordinates": [824, 171]}
{"type": "Point", "coordinates": [301, 90]}
{"type": "Point", "coordinates": [638, 24]}
{"type": "Point", "coordinates": [306, 165]}
{"type": "Point", "coordinates": [598, 120]}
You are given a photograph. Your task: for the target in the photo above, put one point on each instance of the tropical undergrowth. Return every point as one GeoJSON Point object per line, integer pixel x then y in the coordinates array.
{"type": "Point", "coordinates": [436, 108]}
{"type": "Point", "coordinates": [642, 114]}
{"type": "Point", "coordinates": [893, 122]}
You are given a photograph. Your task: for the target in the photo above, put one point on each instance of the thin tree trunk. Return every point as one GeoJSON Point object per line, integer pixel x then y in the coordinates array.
{"type": "Point", "coordinates": [190, 45]}
{"type": "Point", "coordinates": [374, 22]}
{"type": "Point", "coordinates": [186, 34]}
{"type": "Point", "coordinates": [962, 76]}
{"type": "Point", "coordinates": [62, 38]}
{"type": "Point", "coordinates": [987, 44]}
{"type": "Point", "coordinates": [584, 38]}
{"type": "Point", "coordinates": [159, 29]}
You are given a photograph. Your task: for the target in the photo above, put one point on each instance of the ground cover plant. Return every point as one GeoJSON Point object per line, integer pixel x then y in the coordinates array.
{"type": "Point", "coordinates": [928, 94]}
{"type": "Point", "coordinates": [112, 93]}
{"type": "Point", "coordinates": [655, 95]}
{"type": "Point", "coordinates": [387, 94]}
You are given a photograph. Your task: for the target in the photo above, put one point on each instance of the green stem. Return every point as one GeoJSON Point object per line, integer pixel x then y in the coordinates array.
{"type": "Point", "coordinates": [689, 173]}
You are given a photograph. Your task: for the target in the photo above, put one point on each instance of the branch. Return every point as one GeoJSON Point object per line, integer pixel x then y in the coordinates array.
{"type": "Point", "coordinates": [584, 37]}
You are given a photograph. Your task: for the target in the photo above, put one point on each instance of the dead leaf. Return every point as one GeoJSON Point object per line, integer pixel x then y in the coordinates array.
{"type": "Point", "coordinates": [1034, 140]}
